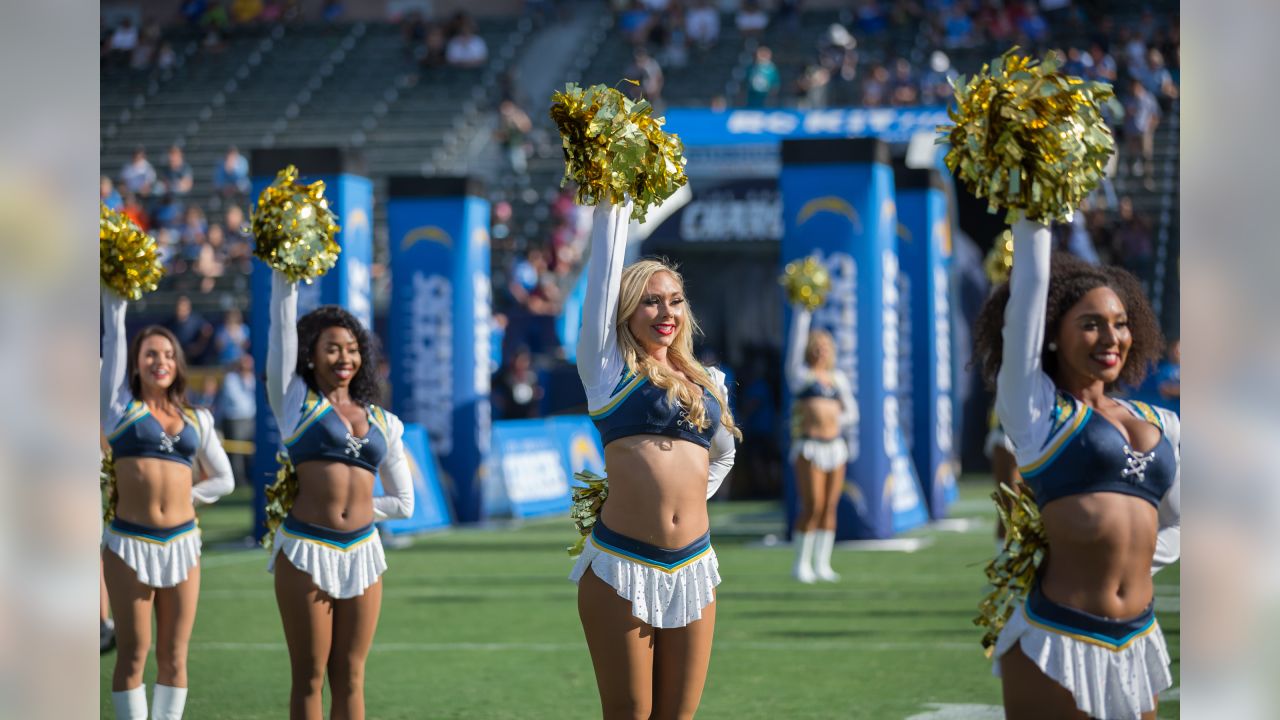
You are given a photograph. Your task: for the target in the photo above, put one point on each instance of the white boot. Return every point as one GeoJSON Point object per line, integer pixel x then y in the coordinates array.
{"type": "Point", "coordinates": [167, 702]}
{"type": "Point", "coordinates": [822, 559]}
{"type": "Point", "coordinates": [803, 569]}
{"type": "Point", "coordinates": [130, 704]}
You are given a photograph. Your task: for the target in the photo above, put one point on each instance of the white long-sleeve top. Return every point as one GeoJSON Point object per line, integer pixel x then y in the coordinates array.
{"type": "Point", "coordinates": [287, 392]}
{"type": "Point", "coordinates": [211, 462]}
{"type": "Point", "coordinates": [1026, 396]}
{"type": "Point", "coordinates": [800, 376]}
{"type": "Point", "coordinates": [600, 362]}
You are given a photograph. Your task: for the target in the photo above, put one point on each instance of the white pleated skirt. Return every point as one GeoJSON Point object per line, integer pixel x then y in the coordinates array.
{"type": "Point", "coordinates": [1113, 669]}
{"type": "Point", "coordinates": [162, 557]}
{"type": "Point", "coordinates": [342, 564]}
{"type": "Point", "coordinates": [666, 588]}
{"type": "Point", "coordinates": [826, 455]}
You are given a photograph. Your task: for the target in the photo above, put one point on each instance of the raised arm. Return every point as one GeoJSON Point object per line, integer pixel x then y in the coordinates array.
{"type": "Point", "coordinates": [796, 372]}
{"type": "Point", "coordinates": [848, 410]}
{"type": "Point", "coordinates": [598, 358]}
{"type": "Point", "coordinates": [397, 482]}
{"type": "Point", "coordinates": [212, 463]}
{"type": "Point", "coordinates": [282, 342]}
{"type": "Point", "coordinates": [1024, 394]}
{"type": "Point", "coordinates": [113, 386]}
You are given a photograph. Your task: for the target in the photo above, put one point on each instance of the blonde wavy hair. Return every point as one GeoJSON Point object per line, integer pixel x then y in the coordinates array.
{"type": "Point", "coordinates": [634, 279]}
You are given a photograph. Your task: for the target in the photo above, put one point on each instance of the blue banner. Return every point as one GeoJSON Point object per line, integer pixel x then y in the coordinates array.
{"type": "Point", "coordinates": [700, 126]}
{"type": "Point", "coordinates": [928, 395]}
{"type": "Point", "coordinates": [838, 204]}
{"type": "Point", "coordinates": [430, 510]}
{"type": "Point", "coordinates": [346, 284]}
{"type": "Point", "coordinates": [440, 328]}
{"type": "Point", "coordinates": [531, 462]}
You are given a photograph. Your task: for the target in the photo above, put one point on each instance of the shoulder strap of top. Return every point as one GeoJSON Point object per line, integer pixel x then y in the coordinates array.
{"type": "Point", "coordinates": [194, 419]}
{"type": "Point", "coordinates": [1144, 411]}
{"type": "Point", "coordinates": [380, 419]}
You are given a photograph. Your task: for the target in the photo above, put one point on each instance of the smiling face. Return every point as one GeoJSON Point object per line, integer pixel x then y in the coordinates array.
{"type": "Point", "coordinates": [336, 356]}
{"type": "Point", "coordinates": [820, 353]}
{"type": "Point", "coordinates": [1094, 339]}
{"type": "Point", "coordinates": [157, 364]}
{"type": "Point", "coordinates": [658, 318]}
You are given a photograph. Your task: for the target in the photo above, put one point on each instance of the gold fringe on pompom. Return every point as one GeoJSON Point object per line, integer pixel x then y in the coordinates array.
{"type": "Point", "coordinates": [1028, 138]}
{"type": "Point", "coordinates": [129, 260]}
{"type": "Point", "coordinates": [999, 261]}
{"type": "Point", "coordinates": [807, 282]}
{"type": "Point", "coordinates": [587, 502]}
{"type": "Point", "coordinates": [1013, 571]}
{"type": "Point", "coordinates": [107, 484]}
{"type": "Point", "coordinates": [294, 229]}
{"type": "Point", "coordinates": [280, 497]}
{"type": "Point", "coordinates": [614, 148]}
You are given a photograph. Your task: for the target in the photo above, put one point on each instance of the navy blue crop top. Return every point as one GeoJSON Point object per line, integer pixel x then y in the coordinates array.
{"type": "Point", "coordinates": [321, 435]}
{"type": "Point", "coordinates": [638, 407]}
{"type": "Point", "coordinates": [1091, 455]}
{"type": "Point", "coordinates": [816, 389]}
{"type": "Point", "coordinates": [140, 434]}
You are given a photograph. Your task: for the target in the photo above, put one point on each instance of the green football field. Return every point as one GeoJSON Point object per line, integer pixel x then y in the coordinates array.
{"type": "Point", "coordinates": [482, 623]}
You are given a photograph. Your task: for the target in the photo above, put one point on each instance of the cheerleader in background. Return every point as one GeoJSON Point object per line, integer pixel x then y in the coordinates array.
{"type": "Point", "coordinates": [1104, 471]}
{"type": "Point", "coordinates": [327, 556]}
{"type": "Point", "coordinates": [647, 576]}
{"type": "Point", "coordinates": [160, 445]}
{"type": "Point", "coordinates": [822, 409]}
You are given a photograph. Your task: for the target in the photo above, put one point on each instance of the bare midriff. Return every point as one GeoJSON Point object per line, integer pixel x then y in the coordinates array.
{"type": "Point", "coordinates": [334, 495]}
{"type": "Point", "coordinates": [153, 492]}
{"type": "Point", "coordinates": [1101, 546]}
{"type": "Point", "coordinates": [819, 418]}
{"type": "Point", "coordinates": [657, 490]}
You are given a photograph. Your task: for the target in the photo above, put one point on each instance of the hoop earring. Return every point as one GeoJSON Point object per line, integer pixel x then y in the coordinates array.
{"type": "Point", "coordinates": [311, 365]}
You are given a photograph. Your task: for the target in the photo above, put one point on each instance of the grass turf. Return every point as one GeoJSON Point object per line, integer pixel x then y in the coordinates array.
{"type": "Point", "coordinates": [482, 623]}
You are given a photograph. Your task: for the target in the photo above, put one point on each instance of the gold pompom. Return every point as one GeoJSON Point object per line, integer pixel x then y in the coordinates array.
{"type": "Point", "coordinates": [129, 259]}
{"type": "Point", "coordinates": [1028, 138]}
{"type": "Point", "coordinates": [806, 282]}
{"type": "Point", "coordinates": [107, 484]}
{"type": "Point", "coordinates": [280, 497]}
{"type": "Point", "coordinates": [999, 261]}
{"type": "Point", "coordinates": [587, 501]}
{"type": "Point", "coordinates": [1013, 571]}
{"type": "Point", "coordinates": [614, 148]}
{"type": "Point", "coordinates": [294, 228]}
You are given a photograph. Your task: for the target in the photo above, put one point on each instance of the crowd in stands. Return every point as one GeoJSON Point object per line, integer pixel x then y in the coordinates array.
{"type": "Point", "coordinates": [443, 43]}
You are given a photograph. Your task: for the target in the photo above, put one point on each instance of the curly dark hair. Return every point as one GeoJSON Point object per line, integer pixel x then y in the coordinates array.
{"type": "Point", "coordinates": [365, 387]}
{"type": "Point", "coordinates": [1070, 279]}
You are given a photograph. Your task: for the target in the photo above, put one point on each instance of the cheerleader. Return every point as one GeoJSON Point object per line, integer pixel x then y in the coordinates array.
{"type": "Point", "coordinates": [1104, 471]}
{"type": "Point", "coordinates": [160, 447]}
{"type": "Point", "coordinates": [327, 557]}
{"type": "Point", "coordinates": [822, 409]}
{"type": "Point", "coordinates": [647, 576]}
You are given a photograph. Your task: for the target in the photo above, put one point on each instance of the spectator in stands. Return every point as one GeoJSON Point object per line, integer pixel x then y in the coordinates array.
{"type": "Point", "coordinates": [635, 23]}
{"type": "Point", "coordinates": [466, 49]}
{"type": "Point", "coordinates": [207, 395]}
{"type": "Point", "coordinates": [838, 52]}
{"type": "Point", "coordinates": [751, 19]}
{"type": "Point", "coordinates": [516, 390]}
{"type": "Point", "coordinates": [936, 86]}
{"type": "Point", "coordinates": [525, 275]}
{"type": "Point", "coordinates": [875, 87]}
{"type": "Point", "coordinates": [122, 43]}
{"type": "Point", "coordinates": [1141, 118]}
{"type": "Point", "coordinates": [1168, 378]}
{"type": "Point", "coordinates": [762, 79]}
{"type": "Point", "coordinates": [432, 53]}
{"type": "Point", "coordinates": [231, 178]}
{"type": "Point", "coordinates": [675, 38]}
{"type": "Point", "coordinates": [194, 333]}
{"type": "Point", "coordinates": [245, 12]}
{"type": "Point", "coordinates": [108, 195]}
{"type": "Point", "coordinates": [166, 58]}
{"type": "Point", "coordinates": [647, 70]}
{"type": "Point", "coordinates": [174, 184]}
{"type": "Point", "coordinates": [1133, 240]}
{"type": "Point", "coordinates": [1102, 65]}
{"type": "Point", "coordinates": [209, 263]}
{"type": "Point", "coordinates": [812, 86]}
{"type": "Point", "coordinates": [145, 51]}
{"type": "Point", "coordinates": [193, 232]}
{"type": "Point", "coordinates": [1157, 79]}
{"type": "Point", "coordinates": [239, 241]}
{"type": "Point", "coordinates": [902, 89]}
{"type": "Point", "coordinates": [138, 176]}
{"type": "Point", "coordinates": [871, 20]}
{"type": "Point", "coordinates": [134, 211]}
{"type": "Point", "coordinates": [231, 340]}
{"type": "Point", "coordinates": [1031, 24]}
{"type": "Point", "coordinates": [237, 404]}
{"type": "Point", "coordinates": [703, 24]}
{"type": "Point", "coordinates": [514, 126]}
{"type": "Point", "coordinates": [958, 29]}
